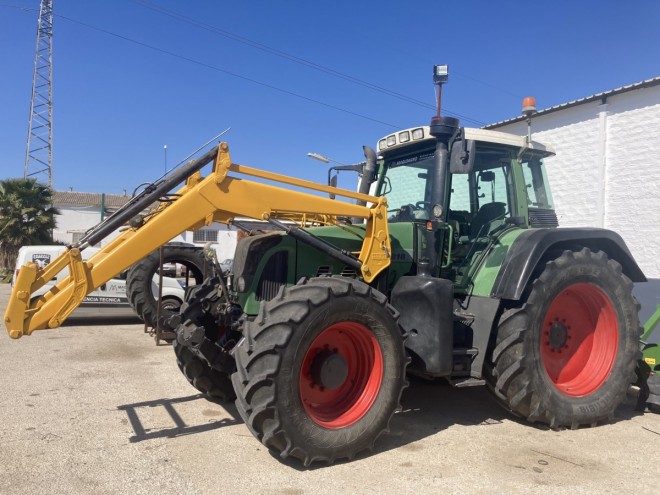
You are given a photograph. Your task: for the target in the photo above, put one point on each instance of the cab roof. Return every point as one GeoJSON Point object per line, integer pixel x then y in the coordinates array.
{"type": "Point", "coordinates": [482, 135]}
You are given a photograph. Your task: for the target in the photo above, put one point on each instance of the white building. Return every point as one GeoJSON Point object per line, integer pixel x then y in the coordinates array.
{"type": "Point", "coordinates": [607, 169]}
{"type": "Point", "coordinates": [81, 211]}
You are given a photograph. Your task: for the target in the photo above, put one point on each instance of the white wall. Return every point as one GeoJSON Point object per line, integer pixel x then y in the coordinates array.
{"type": "Point", "coordinates": [81, 218]}
{"type": "Point", "coordinates": [226, 244]}
{"type": "Point", "coordinates": [607, 169]}
{"type": "Point", "coordinates": [75, 219]}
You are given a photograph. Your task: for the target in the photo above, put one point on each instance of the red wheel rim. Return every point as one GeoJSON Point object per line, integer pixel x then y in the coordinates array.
{"type": "Point", "coordinates": [346, 403]}
{"type": "Point", "coordinates": [579, 340]}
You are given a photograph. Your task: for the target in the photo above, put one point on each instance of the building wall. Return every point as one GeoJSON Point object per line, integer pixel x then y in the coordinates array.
{"type": "Point", "coordinates": [78, 219]}
{"type": "Point", "coordinates": [222, 234]}
{"type": "Point", "coordinates": [75, 219]}
{"type": "Point", "coordinates": [607, 169]}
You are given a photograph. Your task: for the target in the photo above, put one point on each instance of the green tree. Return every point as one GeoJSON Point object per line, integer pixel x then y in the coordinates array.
{"type": "Point", "coordinates": [27, 216]}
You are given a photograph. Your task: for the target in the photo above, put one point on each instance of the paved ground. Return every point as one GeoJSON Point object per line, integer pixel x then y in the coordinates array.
{"type": "Point", "coordinates": [101, 409]}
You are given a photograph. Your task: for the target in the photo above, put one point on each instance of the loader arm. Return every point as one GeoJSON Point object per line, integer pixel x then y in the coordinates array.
{"type": "Point", "coordinates": [219, 197]}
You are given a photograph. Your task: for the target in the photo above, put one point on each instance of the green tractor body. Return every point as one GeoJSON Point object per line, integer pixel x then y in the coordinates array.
{"type": "Point", "coordinates": [498, 232]}
{"type": "Point", "coordinates": [483, 288]}
{"type": "Point", "coordinates": [648, 372]}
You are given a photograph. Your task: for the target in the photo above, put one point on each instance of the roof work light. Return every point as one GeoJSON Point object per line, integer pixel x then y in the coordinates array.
{"type": "Point", "coordinates": [440, 74]}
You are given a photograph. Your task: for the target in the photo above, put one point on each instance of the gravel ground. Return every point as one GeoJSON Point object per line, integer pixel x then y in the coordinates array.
{"type": "Point", "coordinates": [99, 408]}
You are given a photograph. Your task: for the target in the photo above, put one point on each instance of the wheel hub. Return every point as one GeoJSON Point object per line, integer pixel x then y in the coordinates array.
{"type": "Point", "coordinates": [580, 340]}
{"type": "Point", "coordinates": [329, 369]}
{"type": "Point", "coordinates": [558, 335]}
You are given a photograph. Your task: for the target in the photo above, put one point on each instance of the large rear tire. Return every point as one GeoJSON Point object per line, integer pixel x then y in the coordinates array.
{"type": "Point", "coordinates": [321, 370]}
{"type": "Point", "coordinates": [139, 286]}
{"type": "Point", "coordinates": [568, 355]}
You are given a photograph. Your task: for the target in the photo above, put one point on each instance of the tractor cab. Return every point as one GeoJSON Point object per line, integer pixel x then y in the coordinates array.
{"type": "Point", "coordinates": [504, 188]}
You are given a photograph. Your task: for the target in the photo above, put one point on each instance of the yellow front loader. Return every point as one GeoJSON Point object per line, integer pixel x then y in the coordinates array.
{"type": "Point", "coordinates": [222, 196]}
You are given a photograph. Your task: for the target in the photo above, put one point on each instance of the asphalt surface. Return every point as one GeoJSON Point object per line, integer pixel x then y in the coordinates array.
{"type": "Point", "coordinates": [99, 408]}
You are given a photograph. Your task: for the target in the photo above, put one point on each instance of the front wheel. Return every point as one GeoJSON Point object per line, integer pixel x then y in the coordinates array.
{"type": "Point", "coordinates": [321, 370]}
{"type": "Point", "coordinates": [211, 382]}
{"type": "Point", "coordinates": [568, 355]}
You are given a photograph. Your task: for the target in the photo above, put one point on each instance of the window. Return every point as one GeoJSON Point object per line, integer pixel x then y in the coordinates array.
{"type": "Point", "coordinates": [538, 194]}
{"type": "Point", "coordinates": [459, 199]}
{"type": "Point", "coordinates": [408, 187]}
{"type": "Point", "coordinates": [205, 235]}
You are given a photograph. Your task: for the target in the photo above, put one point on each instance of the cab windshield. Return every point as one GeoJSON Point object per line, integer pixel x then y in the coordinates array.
{"type": "Point", "coordinates": [486, 193]}
{"type": "Point", "coordinates": [407, 185]}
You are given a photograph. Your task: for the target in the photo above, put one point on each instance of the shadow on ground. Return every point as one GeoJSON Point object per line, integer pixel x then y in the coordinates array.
{"type": "Point", "coordinates": [427, 408]}
{"type": "Point", "coordinates": [180, 427]}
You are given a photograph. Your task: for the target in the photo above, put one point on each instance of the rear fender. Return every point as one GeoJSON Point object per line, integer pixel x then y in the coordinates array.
{"type": "Point", "coordinates": [535, 246]}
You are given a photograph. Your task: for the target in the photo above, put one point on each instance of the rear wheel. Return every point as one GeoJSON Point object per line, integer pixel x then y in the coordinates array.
{"type": "Point", "coordinates": [568, 355]}
{"type": "Point", "coordinates": [321, 370]}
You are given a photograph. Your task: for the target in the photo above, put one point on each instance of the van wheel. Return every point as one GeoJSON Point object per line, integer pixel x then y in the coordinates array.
{"type": "Point", "coordinates": [140, 288]}
{"type": "Point", "coordinates": [171, 304]}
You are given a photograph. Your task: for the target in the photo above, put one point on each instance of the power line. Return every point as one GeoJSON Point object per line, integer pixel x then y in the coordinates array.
{"type": "Point", "coordinates": [293, 58]}
{"type": "Point", "coordinates": [254, 81]}
{"type": "Point", "coordinates": [209, 66]}
{"type": "Point", "coordinates": [224, 71]}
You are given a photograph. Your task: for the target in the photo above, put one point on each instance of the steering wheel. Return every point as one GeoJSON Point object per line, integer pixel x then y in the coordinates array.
{"type": "Point", "coordinates": [407, 212]}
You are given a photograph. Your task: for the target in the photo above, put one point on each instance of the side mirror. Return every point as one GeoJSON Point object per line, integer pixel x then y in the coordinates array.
{"type": "Point", "coordinates": [463, 152]}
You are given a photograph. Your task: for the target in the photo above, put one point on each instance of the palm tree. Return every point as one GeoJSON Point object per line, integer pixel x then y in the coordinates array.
{"type": "Point", "coordinates": [27, 216]}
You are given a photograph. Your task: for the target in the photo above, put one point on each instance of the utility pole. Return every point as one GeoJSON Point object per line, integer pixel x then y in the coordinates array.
{"type": "Point", "coordinates": [39, 146]}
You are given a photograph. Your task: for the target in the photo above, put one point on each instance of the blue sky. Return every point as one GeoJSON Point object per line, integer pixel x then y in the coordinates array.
{"type": "Point", "coordinates": [118, 102]}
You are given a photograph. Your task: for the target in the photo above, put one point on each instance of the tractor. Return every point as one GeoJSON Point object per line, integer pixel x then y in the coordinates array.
{"type": "Point", "coordinates": [447, 263]}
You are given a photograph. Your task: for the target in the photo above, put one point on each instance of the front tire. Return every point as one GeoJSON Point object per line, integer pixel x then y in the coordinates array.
{"type": "Point", "coordinates": [568, 355]}
{"type": "Point", "coordinates": [211, 382]}
{"type": "Point", "coordinates": [321, 370]}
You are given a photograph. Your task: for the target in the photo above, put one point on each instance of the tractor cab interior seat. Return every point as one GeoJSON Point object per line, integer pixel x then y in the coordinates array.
{"type": "Point", "coordinates": [486, 214]}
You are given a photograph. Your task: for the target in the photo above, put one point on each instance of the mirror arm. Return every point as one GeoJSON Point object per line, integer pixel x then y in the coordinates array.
{"type": "Point", "coordinates": [356, 168]}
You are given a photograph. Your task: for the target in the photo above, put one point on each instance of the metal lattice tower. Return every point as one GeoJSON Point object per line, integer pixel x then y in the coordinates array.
{"type": "Point", "coordinates": [39, 148]}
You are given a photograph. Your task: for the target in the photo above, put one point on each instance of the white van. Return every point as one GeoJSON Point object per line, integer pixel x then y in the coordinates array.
{"type": "Point", "coordinates": [108, 300]}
